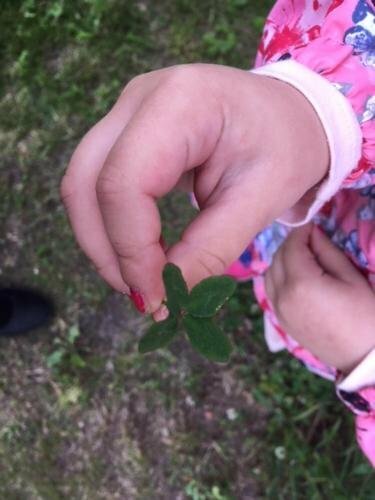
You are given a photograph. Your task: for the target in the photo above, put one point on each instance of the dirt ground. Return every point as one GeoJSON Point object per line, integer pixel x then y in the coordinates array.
{"type": "Point", "coordinates": [82, 414]}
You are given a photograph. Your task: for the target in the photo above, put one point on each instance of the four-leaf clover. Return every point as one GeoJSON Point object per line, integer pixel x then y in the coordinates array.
{"type": "Point", "coordinates": [193, 312]}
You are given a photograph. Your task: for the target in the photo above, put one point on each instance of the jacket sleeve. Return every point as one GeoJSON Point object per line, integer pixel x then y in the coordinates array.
{"type": "Point", "coordinates": [326, 49]}
{"type": "Point", "coordinates": [357, 392]}
{"type": "Point", "coordinates": [362, 404]}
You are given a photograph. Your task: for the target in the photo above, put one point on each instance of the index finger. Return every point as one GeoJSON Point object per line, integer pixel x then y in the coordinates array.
{"type": "Point", "coordinates": [78, 184]}
{"type": "Point", "coordinates": [298, 259]}
{"type": "Point", "coordinates": [146, 163]}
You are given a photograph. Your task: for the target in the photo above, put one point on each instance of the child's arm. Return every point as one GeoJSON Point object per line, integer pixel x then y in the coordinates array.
{"type": "Point", "coordinates": [325, 304]}
{"type": "Point", "coordinates": [314, 46]}
{"type": "Point", "coordinates": [255, 144]}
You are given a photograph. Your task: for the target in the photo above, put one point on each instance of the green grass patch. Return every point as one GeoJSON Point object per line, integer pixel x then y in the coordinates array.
{"type": "Point", "coordinates": [85, 416]}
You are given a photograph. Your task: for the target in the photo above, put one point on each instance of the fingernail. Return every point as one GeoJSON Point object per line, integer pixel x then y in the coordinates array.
{"type": "Point", "coordinates": [161, 314]}
{"type": "Point", "coordinates": [137, 300]}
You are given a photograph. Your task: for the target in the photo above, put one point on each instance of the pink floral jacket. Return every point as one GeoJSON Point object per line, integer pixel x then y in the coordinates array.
{"type": "Point", "coordinates": [326, 48]}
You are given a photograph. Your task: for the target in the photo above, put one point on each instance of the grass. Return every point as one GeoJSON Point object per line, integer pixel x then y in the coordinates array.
{"type": "Point", "coordinates": [82, 414]}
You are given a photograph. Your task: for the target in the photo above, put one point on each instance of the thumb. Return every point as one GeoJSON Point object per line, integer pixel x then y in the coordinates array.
{"type": "Point", "coordinates": [332, 259]}
{"type": "Point", "coordinates": [217, 236]}
{"type": "Point", "coordinates": [297, 256]}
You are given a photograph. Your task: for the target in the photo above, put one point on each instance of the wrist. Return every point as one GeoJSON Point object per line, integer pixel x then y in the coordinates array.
{"type": "Point", "coordinates": [341, 127]}
{"type": "Point", "coordinates": [307, 138]}
{"type": "Point", "coordinates": [294, 145]}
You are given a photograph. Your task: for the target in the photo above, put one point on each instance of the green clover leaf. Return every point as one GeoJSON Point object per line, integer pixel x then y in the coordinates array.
{"type": "Point", "coordinates": [194, 311]}
{"type": "Point", "coordinates": [207, 338]}
{"type": "Point", "coordinates": [209, 295]}
{"type": "Point", "coordinates": [176, 288]}
{"type": "Point", "coordinates": [159, 335]}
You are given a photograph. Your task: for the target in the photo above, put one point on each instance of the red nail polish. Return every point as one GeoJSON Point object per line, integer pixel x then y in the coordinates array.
{"type": "Point", "coordinates": [137, 299]}
{"type": "Point", "coordinates": [163, 244]}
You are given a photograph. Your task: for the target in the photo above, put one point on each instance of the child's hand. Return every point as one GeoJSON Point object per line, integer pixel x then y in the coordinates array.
{"type": "Point", "coordinates": [321, 299]}
{"type": "Point", "coordinates": [253, 144]}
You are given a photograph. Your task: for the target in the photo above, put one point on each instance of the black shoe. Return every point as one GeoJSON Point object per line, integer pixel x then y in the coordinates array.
{"type": "Point", "coordinates": [22, 311]}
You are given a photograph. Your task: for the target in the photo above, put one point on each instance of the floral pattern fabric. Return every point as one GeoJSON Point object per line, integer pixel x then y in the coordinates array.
{"type": "Point", "coordinates": [336, 39]}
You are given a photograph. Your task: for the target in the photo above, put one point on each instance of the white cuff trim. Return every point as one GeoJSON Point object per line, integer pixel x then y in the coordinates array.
{"type": "Point", "coordinates": [342, 129]}
{"type": "Point", "coordinates": [362, 376]}
{"type": "Point", "coordinates": [274, 341]}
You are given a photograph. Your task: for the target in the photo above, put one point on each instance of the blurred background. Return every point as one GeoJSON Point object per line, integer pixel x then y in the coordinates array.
{"type": "Point", "coordinates": [82, 414]}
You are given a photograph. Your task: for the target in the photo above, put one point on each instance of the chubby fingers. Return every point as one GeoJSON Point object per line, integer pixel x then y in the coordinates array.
{"type": "Point", "coordinates": [79, 197]}
{"type": "Point", "coordinates": [293, 262]}
{"type": "Point", "coordinates": [308, 252]}
{"type": "Point", "coordinates": [78, 187]}
{"type": "Point", "coordinates": [146, 162]}
{"type": "Point", "coordinates": [333, 260]}
{"type": "Point", "coordinates": [152, 137]}
{"type": "Point", "coordinates": [306, 256]}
